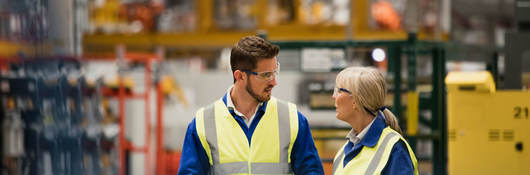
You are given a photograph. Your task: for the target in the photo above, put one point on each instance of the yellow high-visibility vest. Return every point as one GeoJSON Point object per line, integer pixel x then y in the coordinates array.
{"type": "Point", "coordinates": [227, 146]}
{"type": "Point", "coordinates": [372, 160]}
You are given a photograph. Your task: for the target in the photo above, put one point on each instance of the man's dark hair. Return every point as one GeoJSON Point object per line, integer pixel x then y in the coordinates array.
{"type": "Point", "coordinates": [246, 53]}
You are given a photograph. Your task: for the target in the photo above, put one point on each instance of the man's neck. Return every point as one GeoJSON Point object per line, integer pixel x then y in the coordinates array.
{"type": "Point", "coordinates": [243, 102]}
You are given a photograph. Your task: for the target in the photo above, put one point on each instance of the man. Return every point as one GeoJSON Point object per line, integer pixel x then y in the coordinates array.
{"type": "Point", "coordinates": [247, 131]}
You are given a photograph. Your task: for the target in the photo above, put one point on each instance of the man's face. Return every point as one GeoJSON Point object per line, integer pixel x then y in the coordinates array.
{"type": "Point", "coordinates": [259, 87]}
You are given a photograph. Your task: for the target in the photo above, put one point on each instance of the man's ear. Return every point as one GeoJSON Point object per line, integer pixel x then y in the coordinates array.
{"type": "Point", "coordinates": [238, 75]}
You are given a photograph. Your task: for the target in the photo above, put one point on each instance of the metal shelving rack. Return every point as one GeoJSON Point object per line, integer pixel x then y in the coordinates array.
{"type": "Point", "coordinates": [147, 61]}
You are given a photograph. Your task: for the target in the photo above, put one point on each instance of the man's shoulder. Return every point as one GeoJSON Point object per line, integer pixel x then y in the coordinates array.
{"type": "Point", "coordinates": [209, 105]}
{"type": "Point", "coordinates": [300, 115]}
{"type": "Point", "coordinates": [282, 100]}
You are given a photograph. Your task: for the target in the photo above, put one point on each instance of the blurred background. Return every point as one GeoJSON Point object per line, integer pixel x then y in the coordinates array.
{"type": "Point", "coordinates": [109, 86]}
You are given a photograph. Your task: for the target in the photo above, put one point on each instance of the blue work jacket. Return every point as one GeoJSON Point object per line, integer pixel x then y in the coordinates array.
{"type": "Point", "coordinates": [399, 161]}
{"type": "Point", "coordinates": [304, 155]}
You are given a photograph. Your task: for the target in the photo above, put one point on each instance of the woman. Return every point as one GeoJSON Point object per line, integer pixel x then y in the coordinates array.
{"type": "Point", "coordinates": [375, 144]}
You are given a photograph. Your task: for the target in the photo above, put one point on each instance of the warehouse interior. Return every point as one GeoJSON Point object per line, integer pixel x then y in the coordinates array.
{"type": "Point", "coordinates": [109, 86]}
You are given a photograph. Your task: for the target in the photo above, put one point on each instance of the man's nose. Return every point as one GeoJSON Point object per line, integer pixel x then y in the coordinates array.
{"type": "Point", "coordinates": [273, 82]}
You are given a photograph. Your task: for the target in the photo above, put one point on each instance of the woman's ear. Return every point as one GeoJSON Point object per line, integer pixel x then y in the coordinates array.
{"type": "Point", "coordinates": [354, 105]}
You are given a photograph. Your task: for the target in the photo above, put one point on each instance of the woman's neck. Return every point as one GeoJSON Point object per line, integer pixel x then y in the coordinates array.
{"type": "Point", "coordinates": [361, 122]}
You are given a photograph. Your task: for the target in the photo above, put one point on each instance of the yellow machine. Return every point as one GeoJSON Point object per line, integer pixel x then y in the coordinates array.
{"type": "Point", "coordinates": [489, 130]}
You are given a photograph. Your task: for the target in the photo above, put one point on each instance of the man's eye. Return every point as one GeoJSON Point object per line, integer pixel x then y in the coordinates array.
{"type": "Point", "coordinates": [266, 74]}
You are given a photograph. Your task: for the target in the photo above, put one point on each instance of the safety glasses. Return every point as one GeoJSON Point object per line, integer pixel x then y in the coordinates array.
{"type": "Point", "coordinates": [336, 91]}
{"type": "Point", "coordinates": [267, 76]}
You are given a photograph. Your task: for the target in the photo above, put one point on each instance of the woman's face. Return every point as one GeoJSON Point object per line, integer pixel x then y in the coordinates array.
{"type": "Point", "coordinates": [344, 103]}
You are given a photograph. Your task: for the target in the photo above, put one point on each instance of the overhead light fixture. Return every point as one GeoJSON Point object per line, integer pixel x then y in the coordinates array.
{"type": "Point", "coordinates": [378, 55]}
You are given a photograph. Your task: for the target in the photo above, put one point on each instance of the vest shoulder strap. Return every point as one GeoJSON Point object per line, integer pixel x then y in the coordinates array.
{"type": "Point", "coordinates": [412, 157]}
{"type": "Point", "coordinates": [288, 118]}
{"type": "Point", "coordinates": [339, 158]}
{"type": "Point", "coordinates": [204, 121]}
{"type": "Point", "coordinates": [378, 162]}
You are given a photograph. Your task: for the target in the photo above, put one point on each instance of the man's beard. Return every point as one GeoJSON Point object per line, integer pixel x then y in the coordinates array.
{"type": "Point", "coordinates": [256, 96]}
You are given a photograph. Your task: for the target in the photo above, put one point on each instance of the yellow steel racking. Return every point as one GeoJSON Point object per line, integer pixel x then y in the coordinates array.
{"type": "Point", "coordinates": [207, 35]}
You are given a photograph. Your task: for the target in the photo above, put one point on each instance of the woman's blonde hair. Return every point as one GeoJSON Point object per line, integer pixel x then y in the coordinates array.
{"type": "Point", "coordinates": [368, 88]}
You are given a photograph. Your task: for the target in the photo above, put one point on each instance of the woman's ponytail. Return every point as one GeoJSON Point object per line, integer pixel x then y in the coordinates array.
{"type": "Point", "coordinates": [391, 120]}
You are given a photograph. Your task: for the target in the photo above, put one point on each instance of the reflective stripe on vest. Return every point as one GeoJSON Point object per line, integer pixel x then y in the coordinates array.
{"type": "Point", "coordinates": [339, 157]}
{"type": "Point", "coordinates": [371, 160]}
{"type": "Point", "coordinates": [228, 149]}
